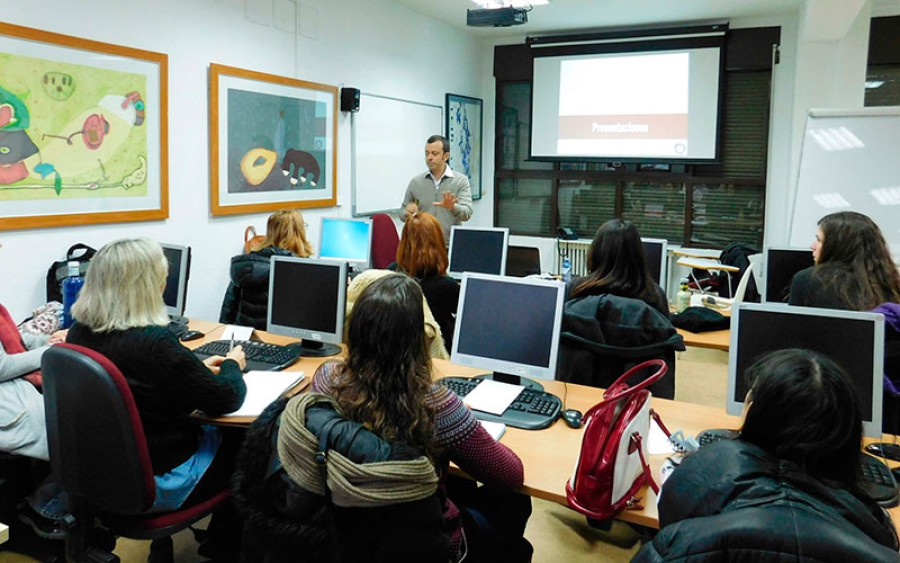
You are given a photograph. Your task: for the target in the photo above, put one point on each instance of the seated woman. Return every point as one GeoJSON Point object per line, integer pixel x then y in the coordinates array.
{"type": "Point", "coordinates": [785, 489]}
{"type": "Point", "coordinates": [387, 360]}
{"type": "Point", "coordinates": [120, 313]}
{"type": "Point", "coordinates": [853, 269]}
{"type": "Point", "coordinates": [422, 255]}
{"type": "Point", "coordinates": [246, 300]}
{"type": "Point", "coordinates": [616, 316]}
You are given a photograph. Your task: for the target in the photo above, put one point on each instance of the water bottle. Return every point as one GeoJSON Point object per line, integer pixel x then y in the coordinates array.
{"type": "Point", "coordinates": [70, 288]}
{"type": "Point", "coordinates": [683, 297]}
{"type": "Point", "coordinates": [566, 270]}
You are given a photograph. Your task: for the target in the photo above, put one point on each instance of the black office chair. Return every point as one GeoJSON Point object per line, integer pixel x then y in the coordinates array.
{"type": "Point", "coordinates": [603, 336]}
{"type": "Point", "coordinates": [522, 261]}
{"type": "Point", "coordinates": [99, 454]}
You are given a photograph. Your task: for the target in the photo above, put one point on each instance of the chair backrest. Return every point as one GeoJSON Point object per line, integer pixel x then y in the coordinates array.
{"type": "Point", "coordinates": [384, 241]}
{"type": "Point", "coordinates": [522, 261]}
{"type": "Point", "coordinates": [749, 273]}
{"type": "Point", "coordinates": [97, 446]}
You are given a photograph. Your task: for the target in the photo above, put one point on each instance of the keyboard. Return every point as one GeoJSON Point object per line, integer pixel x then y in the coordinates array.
{"type": "Point", "coordinates": [260, 355]}
{"type": "Point", "coordinates": [177, 328]}
{"type": "Point", "coordinates": [532, 410]}
{"type": "Point", "coordinates": [874, 478]}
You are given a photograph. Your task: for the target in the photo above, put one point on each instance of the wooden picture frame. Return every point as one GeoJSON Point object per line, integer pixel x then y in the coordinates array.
{"type": "Point", "coordinates": [272, 142]}
{"type": "Point", "coordinates": [464, 127]}
{"type": "Point", "coordinates": [83, 131]}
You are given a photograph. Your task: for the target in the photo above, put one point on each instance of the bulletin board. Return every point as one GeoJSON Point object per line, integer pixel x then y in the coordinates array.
{"type": "Point", "coordinates": [388, 148]}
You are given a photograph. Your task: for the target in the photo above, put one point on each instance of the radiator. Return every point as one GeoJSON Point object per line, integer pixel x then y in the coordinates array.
{"type": "Point", "coordinates": [577, 251]}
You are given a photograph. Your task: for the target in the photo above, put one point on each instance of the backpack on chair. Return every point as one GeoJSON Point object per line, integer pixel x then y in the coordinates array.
{"type": "Point", "coordinates": [612, 465]}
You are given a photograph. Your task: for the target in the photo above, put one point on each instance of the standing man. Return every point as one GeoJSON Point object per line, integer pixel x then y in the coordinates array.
{"type": "Point", "coordinates": [441, 191]}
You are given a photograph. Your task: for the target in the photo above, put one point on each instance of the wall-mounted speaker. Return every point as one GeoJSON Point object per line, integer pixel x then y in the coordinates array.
{"type": "Point", "coordinates": [350, 99]}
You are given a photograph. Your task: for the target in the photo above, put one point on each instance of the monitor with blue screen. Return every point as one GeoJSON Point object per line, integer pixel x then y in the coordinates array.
{"type": "Point", "coordinates": [479, 250]}
{"type": "Point", "coordinates": [510, 326]}
{"type": "Point", "coordinates": [853, 340]}
{"type": "Point", "coordinates": [346, 239]}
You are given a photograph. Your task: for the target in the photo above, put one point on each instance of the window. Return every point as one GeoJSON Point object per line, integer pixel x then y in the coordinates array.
{"type": "Point", "coordinates": [691, 205]}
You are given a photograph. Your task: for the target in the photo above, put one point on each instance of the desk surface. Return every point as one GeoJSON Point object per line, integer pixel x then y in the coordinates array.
{"type": "Point", "coordinates": [549, 455]}
{"type": "Point", "coordinates": [714, 339]}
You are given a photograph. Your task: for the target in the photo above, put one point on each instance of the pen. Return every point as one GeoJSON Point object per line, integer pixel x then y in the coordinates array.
{"type": "Point", "coordinates": [232, 343]}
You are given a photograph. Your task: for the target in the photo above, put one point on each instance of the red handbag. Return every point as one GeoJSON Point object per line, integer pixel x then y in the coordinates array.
{"type": "Point", "coordinates": [612, 465]}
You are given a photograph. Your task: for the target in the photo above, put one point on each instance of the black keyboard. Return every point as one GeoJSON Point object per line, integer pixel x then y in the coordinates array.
{"type": "Point", "coordinates": [874, 478]}
{"type": "Point", "coordinates": [532, 410]}
{"type": "Point", "coordinates": [260, 355]}
{"type": "Point", "coordinates": [177, 328]}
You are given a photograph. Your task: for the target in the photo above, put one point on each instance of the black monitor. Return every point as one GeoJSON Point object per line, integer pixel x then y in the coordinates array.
{"type": "Point", "coordinates": [175, 293]}
{"type": "Point", "coordinates": [522, 261]}
{"type": "Point", "coordinates": [656, 251]}
{"type": "Point", "coordinates": [510, 326]}
{"type": "Point", "coordinates": [479, 250]}
{"type": "Point", "coordinates": [307, 300]}
{"type": "Point", "coordinates": [779, 267]}
{"type": "Point", "coordinates": [853, 340]}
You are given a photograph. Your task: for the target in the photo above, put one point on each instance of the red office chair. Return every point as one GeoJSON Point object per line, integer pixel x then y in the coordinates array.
{"type": "Point", "coordinates": [384, 241]}
{"type": "Point", "coordinates": [99, 454]}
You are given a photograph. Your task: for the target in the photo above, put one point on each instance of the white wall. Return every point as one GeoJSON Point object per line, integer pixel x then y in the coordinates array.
{"type": "Point", "coordinates": [375, 45]}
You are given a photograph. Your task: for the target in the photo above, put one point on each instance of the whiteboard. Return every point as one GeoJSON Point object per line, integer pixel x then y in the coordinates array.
{"type": "Point", "coordinates": [388, 148]}
{"type": "Point", "coordinates": [850, 161]}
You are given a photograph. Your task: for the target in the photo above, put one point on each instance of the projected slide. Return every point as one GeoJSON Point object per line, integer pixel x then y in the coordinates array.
{"type": "Point", "coordinates": [614, 105]}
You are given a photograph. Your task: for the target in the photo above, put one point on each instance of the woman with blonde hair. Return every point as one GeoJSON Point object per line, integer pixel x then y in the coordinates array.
{"type": "Point", "coordinates": [246, 300]}
{"type": "Point", "coordinates": [120, 313]}
{"type": "Point", "coordinates": [422, 255]}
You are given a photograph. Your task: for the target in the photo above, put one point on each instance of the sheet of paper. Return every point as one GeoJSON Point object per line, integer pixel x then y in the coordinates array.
{"type": "Point", "coordinates": [495, 429]}
{"type": "Point", "coordinates": [263, 387]}
{"type": "Point", "coordinates": [492, 396]}
{"type": "Point", "coordinates": [239, 332]}
{"type": "Point", "coordinates": [658, 442]}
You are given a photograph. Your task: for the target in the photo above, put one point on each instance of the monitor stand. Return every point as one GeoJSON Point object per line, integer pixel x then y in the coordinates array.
{"type": "Point", "coordinates": [513, 380]}
{"type": "Point", "coordinates": [178, 319]}
{"type": "Point", "coordinates": [315, 349]}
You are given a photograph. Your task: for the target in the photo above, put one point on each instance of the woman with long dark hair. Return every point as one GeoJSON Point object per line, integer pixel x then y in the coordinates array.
{"type": "Point", "coordinates": [785, 490]}
{"type": "Point", "coordinates": [618, 266]}
{"type": "Point", "coordinates": [853, 269]}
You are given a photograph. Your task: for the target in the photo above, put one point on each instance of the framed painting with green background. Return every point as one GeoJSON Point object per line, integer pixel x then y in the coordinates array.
{"type": "Point", "coordinates": [464, 131]}
{"type": "Point", "coordinates": [273, 142]}
{"type": "Point", "coordinates": [83, 133]}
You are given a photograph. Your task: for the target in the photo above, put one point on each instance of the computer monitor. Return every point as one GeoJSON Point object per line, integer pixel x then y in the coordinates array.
{"type": "Point", "coordinates": [347, 240]}
{"type": "Point", "coordinates": [853, 340]}
{"type": "Point", "coordinates": [175, 293]}
{"type": "Point", "coordinates": [510, 326]}
{"type": "Point", "coordinates": [480, 250]}
{"type": "Point", "coordinates": [779, 267]}
{"type": "Point", "coordinates": [656, 250]}
{"type": "Point", "coordinates": [307, 300]}
{"type": "Point", "coordinates": [522, 261]}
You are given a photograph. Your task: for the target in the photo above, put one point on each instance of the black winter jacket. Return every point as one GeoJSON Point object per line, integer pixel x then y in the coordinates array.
{"type": "Point", "coordinates": [605, 335]}
{"type": "Point", "coordinates": [732, 501]}
{"type": "Point", "coordinates": [246, 301]}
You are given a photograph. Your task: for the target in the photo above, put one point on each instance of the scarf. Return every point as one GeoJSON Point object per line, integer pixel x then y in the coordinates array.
{"type": "Point", "coordinates": [13, 344]}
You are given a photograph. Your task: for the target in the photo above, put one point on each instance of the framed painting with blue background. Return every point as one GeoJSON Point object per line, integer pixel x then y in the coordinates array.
{"type": "Point", "coordinates": [273, 142]}
{"type": "Point", "coordinates": [464, 131]}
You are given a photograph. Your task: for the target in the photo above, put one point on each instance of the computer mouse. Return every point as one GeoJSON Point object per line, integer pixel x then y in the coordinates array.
{"type": "Point", "coordinates": [572, 418]}
{"type": "Point", "coordinates": [191, 335]}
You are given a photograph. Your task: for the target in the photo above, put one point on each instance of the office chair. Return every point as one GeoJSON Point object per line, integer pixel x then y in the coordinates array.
{"type": "Point", "coordinates": [603, 336]}
{"type": "Point", "coordinates": [522, 261]}
{"type": "Point", "coordinates": [99, 454]}
{"type": "Point", "coordinates": [384, 241]}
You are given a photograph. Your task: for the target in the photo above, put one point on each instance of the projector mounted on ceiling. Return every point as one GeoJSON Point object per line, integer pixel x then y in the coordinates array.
{"type": "Point", "coordinates": [496, 17]}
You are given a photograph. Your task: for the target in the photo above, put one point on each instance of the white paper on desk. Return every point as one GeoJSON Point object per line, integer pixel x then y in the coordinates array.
{"type": "Point", "coordinates": [492, 396]}
{"type": "Point", "coordinates": [239, 332]}
{"type": "Point", "coordinates": [495, 429]}
{"type": "Point", "coordinates": [658, 442]}
{"type": "Point", "coordinates": [263, 387]}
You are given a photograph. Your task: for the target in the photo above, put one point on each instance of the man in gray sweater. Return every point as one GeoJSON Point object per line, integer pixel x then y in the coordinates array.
{"type": "Point", "coordinates": [441, 191]}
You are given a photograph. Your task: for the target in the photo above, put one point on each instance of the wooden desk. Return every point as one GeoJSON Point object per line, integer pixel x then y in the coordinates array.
{"type": "Point", "coordinates": [714, 339]}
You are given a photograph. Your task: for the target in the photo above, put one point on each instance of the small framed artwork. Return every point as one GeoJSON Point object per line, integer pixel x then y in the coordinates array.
{"type": "Point", "coordinates": [272, 142]}
{"type": "Point", "coordinates": [83, 131]}
{"type": "Point", "coordinates": [464, 131]}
